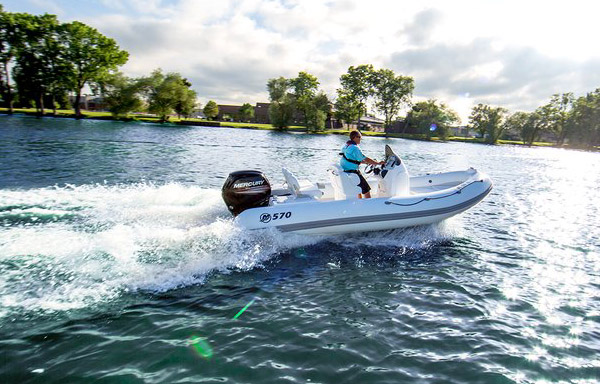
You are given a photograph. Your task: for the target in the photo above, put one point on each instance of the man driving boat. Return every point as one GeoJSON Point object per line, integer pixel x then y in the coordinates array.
{"type": "Point", "coordinates": [352, 157]}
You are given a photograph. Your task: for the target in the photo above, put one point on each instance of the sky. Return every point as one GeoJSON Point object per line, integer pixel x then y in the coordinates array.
{"type": "Point", "coordinates": [514, 54]}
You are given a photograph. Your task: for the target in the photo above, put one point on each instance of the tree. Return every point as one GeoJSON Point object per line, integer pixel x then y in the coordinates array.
{"type": "Point", "coordinates": [357, 86]}
{"type": "Point", "coordinates": [536, 123]}
{"type": "Point", "coordinates": [168, 93]}
{"type": "Point", "coordinates": [8, 42]}
{"type": "Point", "coordinates": [477, 119]}
{"type": "Point", "coordinates": [347, 108]}
{"type": "Point", "coordinates": [92, 54]}
{"type": "Point", "coordinates": [211, 110]}
{"type": "Point", "coordinates": [558, 112]}
{"type": "Point", "coordinates": [30, 66]}
{"type": "Point", "coordinates": [278, 88]}
{"type": "Point", "coordinates": [281, 110]}
{"type": "Point", "coordinates": [584, 121]}
{"type": "Point", "coordinates": [122, 94]}
{"type": "Point", "coordinates": [281, 113]}
{"type": "Point", "coordinates": [298, 96]}
{"type": "Point", "coordinates": [317, 112]}
{"type": "Point", "coordinates": [391, 93]}
{"type": "Point", "coordinates": [305, 87]}
{"type": "Point", "coordinates": [41, 69]}
{"type": "Point", "coordinates": [429, 118]}
{"type": "Point", "coordinates": [246, 112]}
{"type": "Point", "coordinates": [488, 121]}
{"type": "Point", "coordinates": [186, 99]}
{"type": "Point", "coordinates": [516, 123]}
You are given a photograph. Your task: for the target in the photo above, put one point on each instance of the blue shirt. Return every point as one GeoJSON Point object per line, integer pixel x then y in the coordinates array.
{"type": "Point", "coordinates": [353, 152]}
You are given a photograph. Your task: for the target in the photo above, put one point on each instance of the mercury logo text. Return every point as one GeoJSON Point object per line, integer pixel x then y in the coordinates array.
{"type": "Point", "coordinates": [248, 184]}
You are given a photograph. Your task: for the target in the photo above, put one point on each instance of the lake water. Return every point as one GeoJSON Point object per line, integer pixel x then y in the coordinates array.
{"type": "Point", "coordinates": [119, 263]}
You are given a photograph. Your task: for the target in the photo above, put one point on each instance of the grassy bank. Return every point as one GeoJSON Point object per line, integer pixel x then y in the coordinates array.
{"type": "Point", "coordinates": [68, 113]}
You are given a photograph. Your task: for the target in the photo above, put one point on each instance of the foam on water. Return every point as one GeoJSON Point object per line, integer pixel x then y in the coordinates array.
{"type": "Point", "coordinates": [71, 247]}
{"type": "Point", "coordinates": [411, 238]}
{"type": "Point", "coordinates": [122, 238]}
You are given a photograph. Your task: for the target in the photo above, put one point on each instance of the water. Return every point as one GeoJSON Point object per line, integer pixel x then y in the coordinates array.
{"type": "Point", "coordinates": [120, 264]}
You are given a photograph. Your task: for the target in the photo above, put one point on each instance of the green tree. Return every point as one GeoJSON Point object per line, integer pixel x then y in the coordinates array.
{"type": "Point", "coordinates": [558, 109]}
{"type": "Point", "coordinates": [305, 87]}
{"type": "Point", "coordinates": [246, 112]}
{"type": "Point", "coordinates": [278, 88]}
{"type": "Point", "coordinates": [430, 118]}
{"type": "Point", "coordinates": [536, 123]}
{"type": "Point", "coordinates": [122, 94]}
{"type": "Point", "coordinates": [391, 93]}
{"type": "Point", "coordinates": [92, 55]}
{"type": "Point", "coordinates": [477, 119]}
{"type": "Point", "coordinates": [211, 110]}
{"type": "Point", "coordinates": [41, 69]}
{"type": "Point", "coordinates": [317, 112]}
{"type": "Point", "coordinates": [8, 42]}
{"type": "Point", "coordinates": [282, 108]}
{"type": "Point", "coordinates": [29, 70]}
{"type": "Point", "coordinates": [488, 121]}
{"type": "Point", "coordinates": [281, 113]}
{"type": "Point", "coordinates": [186, 99]}
{"type": "Point", "coordinates": [516, 123]}
{"type": "Point", "coordinates": [347, 108]}
{"type": "Point", "coordinates": [358, 84]}
{"type": "Point", "coordinates": [168, 93]}
{"type": "Point", "coordinates": [298, 96]}
{"type": "Point", "coordinates": [584, 121]}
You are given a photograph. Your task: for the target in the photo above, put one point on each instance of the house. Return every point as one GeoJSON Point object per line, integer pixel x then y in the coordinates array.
{"type": "Point", "coordinates": [367, 123]}
{"type": "Point", "coordinates": [398, 126]}
{"type": "Point", "coordinates": [461, 131]}
{"type": "Point", "coordinates": [90, 102]}
{"type": "Point", "coordinates": [261, 113]}
{"type": "Point", "coordinates": [229, 112]}
{"type": "Point", "coordinates": [371, 123]}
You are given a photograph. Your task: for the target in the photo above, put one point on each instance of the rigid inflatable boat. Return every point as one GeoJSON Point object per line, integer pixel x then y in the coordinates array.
{"type": "Point", "coordinates": [398, 200]}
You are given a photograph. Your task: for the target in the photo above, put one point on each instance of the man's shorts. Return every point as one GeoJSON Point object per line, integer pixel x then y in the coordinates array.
{"type": "Point", "coordinates": [364, 186]}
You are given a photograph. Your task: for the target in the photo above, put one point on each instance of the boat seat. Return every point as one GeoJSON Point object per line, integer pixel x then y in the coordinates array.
{"type": "Point", "coordinates": [299, 188]}
{"type": "Point", "coordinates": [345, 185]}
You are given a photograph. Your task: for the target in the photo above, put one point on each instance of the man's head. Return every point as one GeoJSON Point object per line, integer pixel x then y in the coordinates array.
{"type": "Point", "coordinates": [355, 136]}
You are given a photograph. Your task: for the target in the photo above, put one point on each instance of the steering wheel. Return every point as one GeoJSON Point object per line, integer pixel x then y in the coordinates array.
{"type": "Point", "coordinates": [370, 168]}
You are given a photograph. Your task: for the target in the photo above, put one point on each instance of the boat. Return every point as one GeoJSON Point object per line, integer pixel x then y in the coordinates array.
{"type": "Point", "coordinates": [323, 208]}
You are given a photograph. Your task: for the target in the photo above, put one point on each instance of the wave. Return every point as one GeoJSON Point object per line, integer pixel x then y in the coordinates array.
{"type": "Point", "coordinates": [70, 247]}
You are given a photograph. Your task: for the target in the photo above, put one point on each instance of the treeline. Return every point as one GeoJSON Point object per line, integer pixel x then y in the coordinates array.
{"type": "Point", "coordinates": [159, 94]}
{"type": "Point", "coordinates": [300, 97]}
{"type": "Point", "coordinates": [563, 119]}
{"type": "Point", "coordinates": [48, 60]}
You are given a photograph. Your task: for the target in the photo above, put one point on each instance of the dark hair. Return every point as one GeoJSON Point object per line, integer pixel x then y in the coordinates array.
{"type": "Point", "coordinates": [354, 134]}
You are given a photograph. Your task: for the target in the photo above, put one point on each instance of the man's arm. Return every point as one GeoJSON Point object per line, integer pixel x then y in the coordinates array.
{"type": "Point", "coordinates": [368, 160]}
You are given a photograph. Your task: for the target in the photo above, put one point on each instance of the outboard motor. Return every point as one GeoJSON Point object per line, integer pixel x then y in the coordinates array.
{"type": "Point", "coordinates": [246, 189]}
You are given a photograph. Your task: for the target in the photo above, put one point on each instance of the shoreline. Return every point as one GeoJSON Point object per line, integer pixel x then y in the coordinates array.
{"type": "Point", "coordinates": [106, 116]}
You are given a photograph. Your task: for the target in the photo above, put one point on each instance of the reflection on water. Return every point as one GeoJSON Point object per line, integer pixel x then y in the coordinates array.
{"type": "Point", "coordinates": [114, 236]}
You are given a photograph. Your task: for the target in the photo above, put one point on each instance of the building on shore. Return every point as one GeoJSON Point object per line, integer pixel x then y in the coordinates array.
{"type": "Point", "coordinates": [229, 112]}
{"type": "Point", "coordinates": [90, 103]}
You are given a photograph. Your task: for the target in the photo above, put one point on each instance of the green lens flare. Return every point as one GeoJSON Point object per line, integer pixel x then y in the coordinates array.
{"type": "Point", "coordinates": [202, 348]}
{"type": "Point", "coordinates": [243, 309]}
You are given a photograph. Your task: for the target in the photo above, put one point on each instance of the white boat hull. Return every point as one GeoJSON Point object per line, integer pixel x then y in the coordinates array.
{"type": "Point", "coordinates": [432, 198]}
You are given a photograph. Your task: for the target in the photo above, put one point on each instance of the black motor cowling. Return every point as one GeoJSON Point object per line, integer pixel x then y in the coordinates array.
{"type": "Point", "coordinates": [246, 189]}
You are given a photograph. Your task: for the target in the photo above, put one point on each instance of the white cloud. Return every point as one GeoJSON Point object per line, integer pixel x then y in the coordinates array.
{"type": "Point", "coordinates": [514, 54]}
